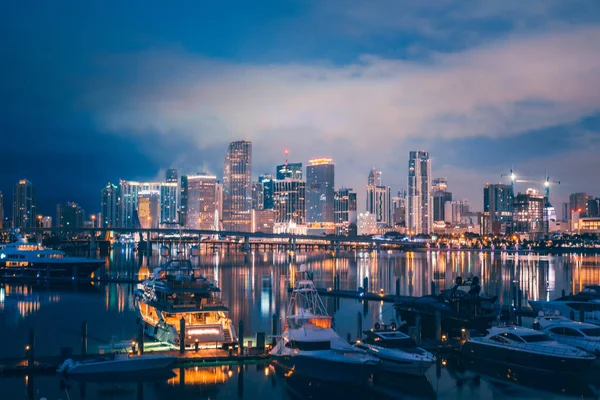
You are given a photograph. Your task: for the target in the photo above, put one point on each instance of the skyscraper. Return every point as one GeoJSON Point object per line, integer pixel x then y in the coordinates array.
{"type": "Point", "coordinates": [440, 197]}
{"type": "Point", "coordinates": [345, 212]}
{"type": "Point", "coordinates": [148, 208]}
{"type": "Point", "coordinates": [171, 175]}
{"type": "Point", "coordinates": [420, 201]}
{"type": "Point", "coordinates": [109, 209]}
{"type": "Point", "coordinates": [291, 170]}
{"type": "Point", "coordinates": [528, 214]}
{"type": "Point", "coordinates": [578, 202]}
{"type": "Point", "coordinates": [374, 178]}
{"type": "Point", "coordinates": [258, 196]}
{"type": "Point", "coordinates": [168, 203]}
{"type": "Point", "coordinates": [593, 207]}
{"type": "Point", "coordinates": [379, 203]}
{"type": "Point", "coordinates": [267, 182]}
{"type": "Point", "coordinates": [289, 201]}
{"type": "Point", "coordinates": [497, 209]}
{"type": "Point", "coordinates": [183, 190]}
{"type": "Point", "coordinates": [201, 202]}
{"type": "Point", "coordinates": [237, 187]}
{"type": "Point", "coordinates": [69, 215]}
{"type": "Point", "coordinates": [399, 208]}
{"type": "Point", "coordinates": [128, 195]}
{"type": "Point", "coordinates": [320, 194]}
{"type": "Point", "coordinates": [24, 204]}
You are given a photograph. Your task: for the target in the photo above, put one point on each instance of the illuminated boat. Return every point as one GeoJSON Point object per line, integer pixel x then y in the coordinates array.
{"type": "Point", "coordinates": [311, 348]}
{"type": "Point", "coordinates": [21, 259]}
{"type": "Point", "coordinates": [175, 292]}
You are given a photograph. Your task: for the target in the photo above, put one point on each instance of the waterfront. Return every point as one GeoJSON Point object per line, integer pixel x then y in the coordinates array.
{"type": "Point", "coordinates": [255, 287]}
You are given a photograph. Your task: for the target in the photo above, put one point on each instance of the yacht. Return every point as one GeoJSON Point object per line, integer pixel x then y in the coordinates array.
{"type": "Point", "coordinates": [586, 301]}
{"type": "Point", "coordinates": [397, 351]}
{"type": "Point", "coordinates": [115, 363]}
{"type": "Point", "coordinates": [175, 292]}
{"type": "Point", "coordinates": [310, 347]}
{"type": "Point", "coordinates": [578, 334]}
{"type": "Point", "coordinates": [529, 349]}
{"type": "Point", "coordinates": [32, 260]}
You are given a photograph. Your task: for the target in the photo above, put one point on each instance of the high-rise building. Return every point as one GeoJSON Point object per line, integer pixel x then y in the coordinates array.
{"type": "Point", "coordinates": [440, 196]}
{"type": "Point", "coordinates": [201, 202]}
{"type": "Point", "coordinates": [345, 212]}
{"type": "Point", "coordinates": [454, 210]}
{"type": "Point", "coordinates": [497, 209]}
{"type": "Point", "coordinates": [24, 205]}
{"type": "Point", "coordinates": [267, 182]}
{"type": "Point", "coordinates": [593, 207]}
{"type": "Point", "coordinates": [237, 187]}
{"type": "Point", "coordinates": [183, 195]}
{"type": "Point", "coordinates": [366, 224]}
{"type": "Point", "coordinates": [128, 195]}
{"type": "Point", "coordinates": [379, 203]}
{"type": "Point", "coordinates": [172, 175]}
{"type": "Point", "coordinates": [109, 209]}
{"type": "Point", "coordinates": [528, 214]}
{"type": "Point", "coordinates": [374, 178]}
{"type": "Point", "coordinates": [258, 196]}
{"type": "Point", "coordinates": [69, 215]}
{"type": "Point", "coordinates": [565, 212]}
{"type": "Point", "coordinates": [263, 221]}
{"type": "Point", "coordinates": [148, 208]}
{"type": "Point", "coordinates": [289, 170]}
{"type": "Point", "coordinates": [168, 203]}
{"type": "Point", "coordinates": [320, 182]}
{"type": "Point", "coordinates": [578, 202]}
{"type": "Point", "coordinates": [289, 201]}
{"type": "Point", "coordinates": [399, 209]}
{"type": "Point", "coordinates": [420, 201]}
{"type": "Point", "coordinates": [1, 209]}
{"type": "Point", "coordinates": [219, 217]}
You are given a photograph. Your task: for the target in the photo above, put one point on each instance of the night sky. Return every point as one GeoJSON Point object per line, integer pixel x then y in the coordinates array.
{"type": "Point", "coordinates": [94, 91]}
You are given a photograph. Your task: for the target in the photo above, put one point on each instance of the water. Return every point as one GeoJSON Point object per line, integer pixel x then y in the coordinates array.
{"type": "Point", "coordinates": [255, 288]}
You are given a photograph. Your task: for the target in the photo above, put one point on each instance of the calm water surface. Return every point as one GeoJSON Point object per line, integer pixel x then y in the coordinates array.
{"type": "Point", "coordinates": [255, 288]}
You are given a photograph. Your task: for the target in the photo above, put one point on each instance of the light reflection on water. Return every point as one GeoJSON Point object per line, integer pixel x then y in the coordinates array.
{"type": "Point", "coordinates": [255, 288]}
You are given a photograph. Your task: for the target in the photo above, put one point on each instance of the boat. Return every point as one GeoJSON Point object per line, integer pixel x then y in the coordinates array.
{"type": "Point", "coordinates": [397, 351]}
{"type": "Point", "coordinates": [175, 292]}
{"type": "Point", "coordinates": [310, 347]}
{"type": "Point", "coordinates": [115, 363]}
{"type": "Point", "coordinates": [582, 335]}
{"type": "Point", "coordinates": [459, 309]}
{"type": "Point", "coordinates": [528, 349]}
{"type": "Point", "coordinates": [21, 259]}
{"type": "Point", "coordinates": [587, 302]}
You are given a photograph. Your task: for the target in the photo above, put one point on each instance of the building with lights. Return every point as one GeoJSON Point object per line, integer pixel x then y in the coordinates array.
{"type": "Point", "coordinates": [528, 214]}
{"type": "Point", "coordinates": [24, 205]}
{"type": "Point", "coordinates": [172, 176]}
{"type": "Point", "coordinates": [374, 178]}
{"type": "Point", "coordinates": [68, 215]}
{"type": "Point", "coordinates": [169, 203]}
{"type": "Point", "coordinates": [497, 209]}
{"type": "Point", "coordinates": [289, 203]}
{"type": "Point", "coordinates": [578, 202]}
{"type": "Point", "coordinates": [420, 202]}
{"type": "Point", "coordinates": [399, 209]}
{"type": "Point", "coordinates": [237, 187]}
{"type": "Point", "coordinates": [267, 182]}
{"type": "Point", "coordinates": [263, 221]}
{"type": "Point", "coordinates": [593, 208]}
{"type": "Point", "coordinates": [128, 202]}
{"type": "Point", "coordinates": [440, 196]}
{"type": "Point", "coordinates": [201, 210]}
{"type": "Point", "coordinates": [109, 208]}
{"type": "Point", "coordinates": [258, 196]}
{"type": "Point", "coordinates": [345, 212]}
{"type": "Point", "coordinates": [320, 183]}
{"type": "Point", "coordinates": [1, 209]}
{"type": "Point", "coordinates": [588, 225]}
{"type": "Point", "coordinates": [366, 224]}
{"type": "Point", "coordinates": [148, 208]}
{"type": "Point", "coordinates": [289, 170]}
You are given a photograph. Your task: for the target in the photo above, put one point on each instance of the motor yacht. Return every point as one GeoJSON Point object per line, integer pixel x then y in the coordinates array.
{"type": "Point", "coordinates": [529, 349]}
{"type": "Point", "coordinates": [175, 292]}
{"type": "Point", "coordinates": [578, 334]}
{"type": "Point", "coordinates": [309, 346]}
{"type": "Point", "coordinates": [397, 351]}
{"type": "Point", "coordinates": [587, 302]}
{"type": "Point", "coordinates": [115, 363]}
{"type": "Point", "coordinates": [32, 260]}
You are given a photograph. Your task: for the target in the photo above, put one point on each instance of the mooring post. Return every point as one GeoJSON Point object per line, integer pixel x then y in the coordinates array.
{"type": "Point", "coordinates": [358, 326]}
{"type": "Point", "coordinates": [366, 284]}
{"type": "Point", "coordinates": [514, 296]}
{"type": "Point", "coordinates": [274, 323]}
{"type": "Point", "coordinates": [84, 337]}
{"type": "Point", "coordinates": [31, 348]}
{"type": "Point", "coordinates": [397, 286]}
{"type": "Point", "coordinates": [438, 326]}
{"type": "Point", "coordinates": [241, 337]}
{"type": "Point", "coordinates": [140, 346]}
{"type": "Point", "coordinates": [418, 329]}
{"type": "Point", "coordinates": [432, 286]}
{"type": "Point", "coordinates": [182, 335]}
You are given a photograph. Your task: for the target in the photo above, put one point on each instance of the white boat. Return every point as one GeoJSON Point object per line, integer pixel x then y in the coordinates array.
{"type": "Point", "coordinates": [397, 351]}
{"type": "Point", "coordinates": [578, 334]}
{"type": "Point", "coordinates": [529, 349]}
{"type": "Point", "coordinates": [175, 292]}
{"type": "Point", "coordinates": [310, 347]}
{"type": "Point", "coordinates": [587, 302]}
{"type": "Point", "coordinates": [115, 364]}
{"type": "Point", "coordinates": [32, 260]}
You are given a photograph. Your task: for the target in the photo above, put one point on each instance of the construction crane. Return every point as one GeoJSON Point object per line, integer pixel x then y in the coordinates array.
{"type": "Point", "coordinates": [512, 179]}
{"type": "Point", "coordinates": [547, 182]}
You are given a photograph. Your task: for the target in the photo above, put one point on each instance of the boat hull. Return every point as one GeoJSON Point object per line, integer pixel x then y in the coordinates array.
{"type": "Point", "coordinates": [323, 369]}
{"type": "Point", "coordinates": [120, 366]}
{"type": "Point", "coordinates": [526, 360]}
{"type": "Point", "coordinates": [72, 270]}
{"type": "Point", "coordinates": [407, 367]}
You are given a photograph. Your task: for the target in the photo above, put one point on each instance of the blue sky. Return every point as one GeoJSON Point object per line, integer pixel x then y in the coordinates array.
{"type": "Point", "coordinates": [100, 90]}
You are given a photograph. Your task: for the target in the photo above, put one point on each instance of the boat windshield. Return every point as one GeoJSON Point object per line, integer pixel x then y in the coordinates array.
{"type": "Point", "coordinates": [536, 338]}
{"type": "Point", "coordinates": [595, 332]}
{"type": "Point", "coordinates": [309, 346]}
{"type": "Point", "coordinates": [403, 343]}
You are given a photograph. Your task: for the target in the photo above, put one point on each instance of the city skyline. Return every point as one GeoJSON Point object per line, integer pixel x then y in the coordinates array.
{"type": "Point", "coordinates": [481, 86]}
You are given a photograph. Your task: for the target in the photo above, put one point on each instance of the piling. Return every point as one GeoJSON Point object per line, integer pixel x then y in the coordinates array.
{"type": "Point", "coordinates": [418, 329]}
{"type": "Point", "coordinates": [432, 286]}
{"type": "Point", "coordinates": [84, 339]}
{"type": "Point", "coordinates": [140, 341]}
{"type": "Point", "coordinates": [438, 326]}
{"type": "Point", "coordinates": [397, 286]}
{"type": "Point", "coordinates": [519, 300]}
{"type": "Point", "coordinates": [366, 284]}
{"type": "Point", "coordinates": [274, 330]}
{"type": "Point", "coordinates": [31, 348]}
{"type": "Point", "coordinates": [514, 296]}
{"type": "Point", "coordinates": [358, 326]}
{"type": "Point", "coordinates": [241, 337]}
{"type": "Point", "coordinates": [181, 335]}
